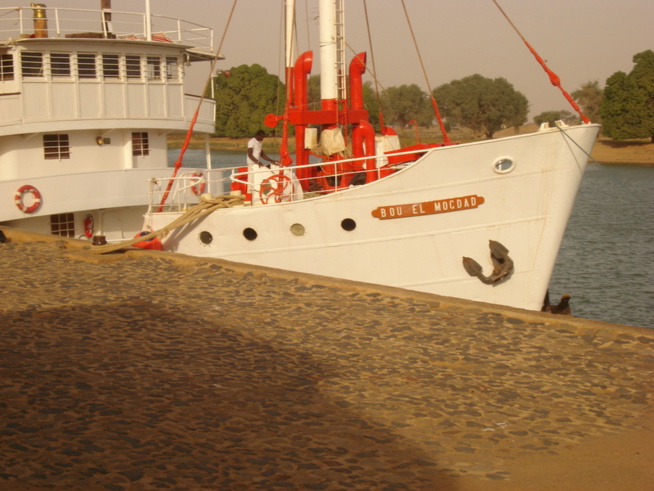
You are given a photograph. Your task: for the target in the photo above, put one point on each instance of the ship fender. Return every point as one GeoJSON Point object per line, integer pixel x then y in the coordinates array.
{"type": "Point", "coordinates": [20, 193]}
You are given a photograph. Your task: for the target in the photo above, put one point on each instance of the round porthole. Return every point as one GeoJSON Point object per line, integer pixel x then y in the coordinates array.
{"type": "Point", "coordinates": [250, 233]}
{"type": "Point", "coordinates": [205, 237]}
{"type": "Point", "coordinates": [297, 229]}
{"type": "Point", "coordinates": [504, 165]}
{"type": "Point", "coordinates": [348, 224]}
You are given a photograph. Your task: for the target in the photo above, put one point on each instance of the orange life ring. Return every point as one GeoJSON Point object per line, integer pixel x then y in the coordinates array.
{"type": "Point", "coordinates": [18, 198]}
{"type": "Point", "coordinates": [199, 186]}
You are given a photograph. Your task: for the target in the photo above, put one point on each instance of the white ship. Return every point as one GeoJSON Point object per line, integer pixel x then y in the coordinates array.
{"type": "Point", "coordinates": [481, 221]}
{"type": "Point", "coordinates": [87, 101]}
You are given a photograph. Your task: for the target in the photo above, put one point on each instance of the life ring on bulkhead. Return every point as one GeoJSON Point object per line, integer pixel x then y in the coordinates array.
{"type": "Point", "coordinates": [199, 186]}
{"type": "Point", "coordinates": [20, 193]}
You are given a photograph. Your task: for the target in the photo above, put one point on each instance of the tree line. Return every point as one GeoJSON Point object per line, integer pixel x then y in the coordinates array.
{"type": "Point", "coordinates": [625, 106]}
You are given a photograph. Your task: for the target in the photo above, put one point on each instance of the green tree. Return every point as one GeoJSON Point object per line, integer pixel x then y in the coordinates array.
{"type": "Point", "coordinates": [313, 92]}
{"type": "Point", "coordinates": [627, 108]}
{"type": "Point", "coordinates": [482, 104]}
{"type": "Point", "coordinates": [552, 116]}
{"type": "Point", "coordinates": [589, 97]}
{"type": "Point", "coordinates": [371, 103]}
{"type": "Point", "coordinates": [405, 103]}
{"type": "Point", "coordinates": [244, 98]}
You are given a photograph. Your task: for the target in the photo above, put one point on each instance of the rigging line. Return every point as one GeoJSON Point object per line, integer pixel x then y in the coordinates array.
{"type": "Point", "coordinates": [374, 68]}
{"type": "Point", "coordinates": [565, 133]}
{"type": "Point", "coordinates": [373, 74]}
{"type": "Point", "coordinates": [630, 192]}
{"type": "Point", "coordinates": [554, 78]}
{"type": "Point", "coordinates": [189, 133]}
{"type": "Point", "coordinates": [446, 139]}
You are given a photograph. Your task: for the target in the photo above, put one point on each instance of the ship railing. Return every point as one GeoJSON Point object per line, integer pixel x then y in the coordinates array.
{"type": "Point", "coordinates": [47, 22]}
{"type": "Point", "coordinates": [271, 185]}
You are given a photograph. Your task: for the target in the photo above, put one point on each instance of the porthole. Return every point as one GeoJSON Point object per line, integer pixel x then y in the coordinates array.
{"type": "Point", "coordinates": [348, 224]}
{"type": "Point", "coordinates": [504, 165]}
{"type": "Point", "coordinates": [297, 229]}
{"type": "Point", "coordinates": [205, 237]}
{"type": "Point", "coordinates": [250, 233]}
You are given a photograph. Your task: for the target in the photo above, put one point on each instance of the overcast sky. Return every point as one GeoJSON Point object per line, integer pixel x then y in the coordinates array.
{"type": "Point", "coordinates": [581, 40]}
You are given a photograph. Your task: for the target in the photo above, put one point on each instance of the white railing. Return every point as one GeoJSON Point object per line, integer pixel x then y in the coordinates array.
{"type": "Point", "coordinates": [268, 186]}
{"type": "Point", "coordinates": [21, 22]}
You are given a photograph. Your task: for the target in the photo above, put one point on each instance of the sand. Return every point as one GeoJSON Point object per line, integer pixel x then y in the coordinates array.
{"type": "Point", "coordinates": [146, 370]}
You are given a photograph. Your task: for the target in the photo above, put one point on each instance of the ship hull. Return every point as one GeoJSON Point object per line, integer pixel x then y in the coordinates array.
{"type": "Point", "coordinates": [413, 228]}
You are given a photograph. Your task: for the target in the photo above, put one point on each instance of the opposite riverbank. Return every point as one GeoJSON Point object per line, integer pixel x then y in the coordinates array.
{"type": "Point", "coordinates": [605, 151]}
{"type": "Point", "coordinates": [147, 370]}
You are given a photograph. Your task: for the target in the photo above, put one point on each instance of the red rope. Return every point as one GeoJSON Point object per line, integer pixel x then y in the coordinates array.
{"type": "Point", "coordinates": [554, 78]}
{"type": "Point", "coordinates": [189, 133]}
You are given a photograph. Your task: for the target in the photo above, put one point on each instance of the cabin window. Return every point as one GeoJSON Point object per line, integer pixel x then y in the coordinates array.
{"type": "Point", "coordinates": [31, 64]}
{"type": "Point", "coordinates": [60, 64]}
{"type": "Point", "coordinates": [62, 225]}
{"type": "Point", "coordinates": [6, 67]}
{"type": "Point", "coordinates": [140, 144]}
{"type": "Point", "coordinates": [133, 67]}
{"type": "Point", "coordinates": [110, 67]}
{"type": "Point", "coordinates": [172, 68]}
{"type": "Point", "coordinates": [154, 68]}
{"type": "Point", "coordinates": [86, 67]}
{"type": "Point", "coordinates": [56, 147]}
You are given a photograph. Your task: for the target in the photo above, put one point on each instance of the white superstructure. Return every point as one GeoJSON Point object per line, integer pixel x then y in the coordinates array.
{"type": "Point", "coordinates": [87, 101]}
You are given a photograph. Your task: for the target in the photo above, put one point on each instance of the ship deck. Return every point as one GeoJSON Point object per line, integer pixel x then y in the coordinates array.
{"type": "Point", "coordinates": [146, 370]}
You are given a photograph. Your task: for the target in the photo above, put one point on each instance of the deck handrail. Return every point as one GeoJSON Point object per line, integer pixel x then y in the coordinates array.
{"type": "Point", "coordinates": [19, 22]}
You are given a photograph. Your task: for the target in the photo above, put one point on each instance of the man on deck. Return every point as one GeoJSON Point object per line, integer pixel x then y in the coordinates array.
{"type": "Point", "coordinates": [256, 153]}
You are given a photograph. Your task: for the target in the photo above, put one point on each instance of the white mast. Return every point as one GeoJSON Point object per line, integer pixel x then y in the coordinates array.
{"type": "Point", "coordinates": [328, 90]}
{"type": "Point", "coordinates": [148, 21]}
{"type": "Point", "coordinates": [290, 23]}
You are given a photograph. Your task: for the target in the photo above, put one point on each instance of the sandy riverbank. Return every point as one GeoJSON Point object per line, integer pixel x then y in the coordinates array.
{"type": "Point", "coordinates": [147, 370]}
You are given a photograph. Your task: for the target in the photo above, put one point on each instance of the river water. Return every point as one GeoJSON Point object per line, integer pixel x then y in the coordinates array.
{"type": "Point", "coordinates": [606, 261]}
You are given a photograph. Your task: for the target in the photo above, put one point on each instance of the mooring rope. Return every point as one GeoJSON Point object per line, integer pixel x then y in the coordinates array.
{"type": "Point", "coordinates": [206, 206]}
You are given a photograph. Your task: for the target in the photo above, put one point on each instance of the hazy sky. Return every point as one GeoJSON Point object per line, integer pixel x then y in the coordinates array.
{"type": "Point", "coordinates": [581, 40]}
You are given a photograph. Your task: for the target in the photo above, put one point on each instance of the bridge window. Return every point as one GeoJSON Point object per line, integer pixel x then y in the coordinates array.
{"type": "Point", "coordinates": [154, 68]}
{"type": "Point", "coordinates": [110, 67]}
{"type": "Point", "coordinates": [56, 147]}
{"type": "Point", "coordinates": [6, 67]}
{"type": "Point", "coordinates": [86, 67]}
{"type": "Point", "coordinates": [133, 67]}
{"type": "Point", "coordinates": [31, 64]}
{"type": "Point", "coordinates": [172, 68]}
{"type": "Point", "coordinates": [140, 144]}
{"type": "Point", "coordinates": [60, 64]}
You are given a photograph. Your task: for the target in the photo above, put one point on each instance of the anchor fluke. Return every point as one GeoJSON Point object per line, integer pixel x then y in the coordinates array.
{"type": "Point", "coordinates": [502, 264]}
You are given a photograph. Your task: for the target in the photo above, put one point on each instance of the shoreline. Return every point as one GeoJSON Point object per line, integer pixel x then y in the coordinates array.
{"type": "Point", "coordinates": [605, 151]}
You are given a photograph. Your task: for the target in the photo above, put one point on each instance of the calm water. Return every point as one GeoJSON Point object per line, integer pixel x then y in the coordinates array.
{"type": "Point", "coordinates": [606, 262]}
